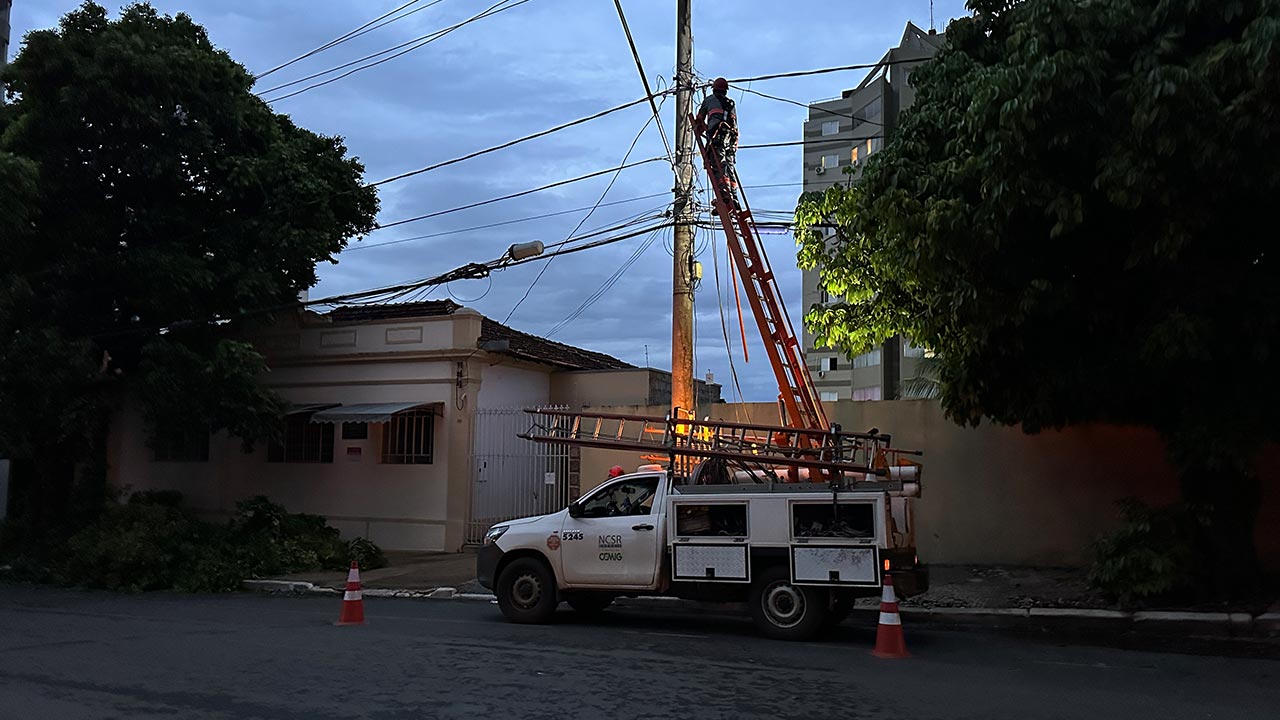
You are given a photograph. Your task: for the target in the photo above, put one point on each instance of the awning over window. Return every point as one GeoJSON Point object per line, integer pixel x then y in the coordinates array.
{"type": "Point", "coordinates": [302, 408]}
{"type": "Point", "coordinates": [371, 412]}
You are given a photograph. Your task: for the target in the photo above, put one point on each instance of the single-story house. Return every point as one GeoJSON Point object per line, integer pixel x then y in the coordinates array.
{"type": "Point", "coordinates": [402, 425]}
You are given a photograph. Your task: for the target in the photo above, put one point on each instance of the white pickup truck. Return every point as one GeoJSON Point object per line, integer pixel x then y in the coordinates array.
{"type": "Point", "coordinates": [799, 554]}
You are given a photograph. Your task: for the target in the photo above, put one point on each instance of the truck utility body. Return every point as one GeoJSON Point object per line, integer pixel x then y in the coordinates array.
{"type": "Point", "coordinates": [798, 553]}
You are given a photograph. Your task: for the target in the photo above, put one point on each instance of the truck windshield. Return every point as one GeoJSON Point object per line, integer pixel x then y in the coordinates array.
{"type": "Point", "coordinates": [633, 496]}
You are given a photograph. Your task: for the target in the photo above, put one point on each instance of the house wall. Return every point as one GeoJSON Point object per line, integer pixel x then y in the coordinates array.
{"type": "Point", "coordinates": [396, 506]}
{"type": "Point", "coordinates": [994, 495]}
{"type": "Point", "coordinates": [510, 386]}
{"type": "Point", "coordinates": [614, 387]}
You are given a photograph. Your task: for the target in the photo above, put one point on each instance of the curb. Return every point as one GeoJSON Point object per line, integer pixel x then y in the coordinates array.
{"type": "Point", "coordinates": [1225, 624]}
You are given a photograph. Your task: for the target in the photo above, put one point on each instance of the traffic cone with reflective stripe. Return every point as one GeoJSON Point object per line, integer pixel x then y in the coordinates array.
{"type": "Point", "coordinates": [352, 600]}
{"type": "Point", "coordinates": [889, 640]}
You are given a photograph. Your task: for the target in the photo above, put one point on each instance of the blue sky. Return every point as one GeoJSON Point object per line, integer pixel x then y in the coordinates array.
{"type": "Point", "coordinates": [527, 69]}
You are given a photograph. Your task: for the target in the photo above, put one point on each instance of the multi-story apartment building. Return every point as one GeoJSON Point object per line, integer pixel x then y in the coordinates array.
{"type": "Point", "coordinates": [842, 133]}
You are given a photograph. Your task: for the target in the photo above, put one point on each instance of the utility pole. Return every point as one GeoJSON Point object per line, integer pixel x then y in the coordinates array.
{"type": "Point", "coordinates": [5, 6]}
{"type": "Point", "coordinates": [682, 392]}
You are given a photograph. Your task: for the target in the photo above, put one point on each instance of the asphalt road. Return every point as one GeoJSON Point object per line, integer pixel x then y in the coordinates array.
{"type": "Point", "coordinates": [67, 654]}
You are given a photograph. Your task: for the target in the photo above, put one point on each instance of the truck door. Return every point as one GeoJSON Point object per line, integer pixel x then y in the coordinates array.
{"type": "Point", "coordinates": [614, 541]}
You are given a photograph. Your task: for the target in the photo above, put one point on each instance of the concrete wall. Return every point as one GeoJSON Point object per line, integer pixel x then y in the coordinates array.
{"type": "Point", "coordinates": [511, 386]}
{"type": "Point", "coordinates": [994, 495]}
{"type": "Point", "coordinates": [615, 387]}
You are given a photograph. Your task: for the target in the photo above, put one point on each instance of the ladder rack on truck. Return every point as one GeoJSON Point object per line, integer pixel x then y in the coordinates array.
{"type": "Point", "coordinates": [843, 458]}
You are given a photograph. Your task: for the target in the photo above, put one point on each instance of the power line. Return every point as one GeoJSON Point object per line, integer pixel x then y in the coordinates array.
{"type": "Point", "coordinates": [517, 141]}
{"type": "Point", "coordinates": [644, 79]}
{"type": "Point", "coordinates": [821, 71]}
{"type": "Point", "coordinates": [365, 246]}
{"type": "Point", "coordinates": [357, 61]}
{"type": "Point", "coordinates": [494, 9]}
{"type": "Point", "coordinates": [607, 285]}
{"type": "Point", "coordinates": [814, 108]}
{"type": "Point", "coordinates": [340, 39]}
{"type": "Point", "coordinates": [590, 212]}
{"type": "Point", "coordinates": [791, 143]}
{"type": "Point", "coordinates": [522, 193]}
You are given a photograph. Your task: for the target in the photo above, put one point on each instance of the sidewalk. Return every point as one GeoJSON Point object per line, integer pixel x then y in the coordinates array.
{"type": "Point", "coordinates": [405, 570]}
{"type": "Point", "coordinates": [958, 594]}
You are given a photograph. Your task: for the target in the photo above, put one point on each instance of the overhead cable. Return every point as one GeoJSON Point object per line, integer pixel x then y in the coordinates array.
{"type": "Point", "coordinates": [648, 91]}
{"type": "Point", "coordinates": [590, 212]}
{"type": "Point", "coordinates": [820, 71]}
{"type": "Point", "coordinates": [343, 38]}
{"type": "Point", "coordinates": [588, 176]}
{"type": "Point", "coordinates": [814, 108]}
{"type": "Point", "coordinates": [365, 246]}
{"type": "Point", "coordinates": [494, 9]}
{"type": "Point", "coordinates": [517, 141]}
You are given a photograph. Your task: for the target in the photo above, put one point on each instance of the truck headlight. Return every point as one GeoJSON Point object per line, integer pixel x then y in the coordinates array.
{"type": "Point", "coordinates": [494, 533]}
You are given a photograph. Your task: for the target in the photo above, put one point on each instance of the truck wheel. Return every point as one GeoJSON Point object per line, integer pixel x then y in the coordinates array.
{"type": "Point", "coordinates": [786, 611]}
{"type": "Point", "coordinates": [527, 591]}
{"type": "Point", "coordinates": [589, 604]}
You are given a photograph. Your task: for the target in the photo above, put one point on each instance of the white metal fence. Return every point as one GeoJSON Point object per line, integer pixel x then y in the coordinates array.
{"type": "Point", "coordinates": [512, 477]}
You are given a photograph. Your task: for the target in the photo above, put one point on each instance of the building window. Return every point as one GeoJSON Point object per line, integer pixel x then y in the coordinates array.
{"type": "Point", "coordinates": [871, 392]}
{"type": "Point", "coordinates": [830, 127]}
{"type": "Point", "coordinates": [829, 396]}
{"type": "Point", "coordinates": [355, 431]}
{"type": "Point", "coordinates": [409, 439]}
{"type": "Point", "coordinates": [303, 442]}
{"type": "Point", "coordinates": [830, 162]}
{"type": "Point", "coordinates": [869, 112]}
{"type": "Point", "coordinates": [874, 145]}
{"type": "Point", "coordinates": [853, 156]}
{"type": "Point", "coordinates": [824, 297]}
{"type": "Point", "coordinates": [911, 351]}
{"type": "Point", "coordinates": [867, 359]}
{"type": "Point", "coordinates": [180, 446]}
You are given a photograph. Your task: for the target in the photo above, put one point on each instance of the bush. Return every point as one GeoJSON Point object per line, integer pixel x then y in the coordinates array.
{"type": "Point", "coordinates": [367, 553]}
{"type": "Point", "coordinates": [153, 543]}
{"type": "Point", "coordinates": [1152, 555]}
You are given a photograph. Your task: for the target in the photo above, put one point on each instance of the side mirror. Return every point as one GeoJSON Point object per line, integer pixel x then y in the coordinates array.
{"type": "Point", "coordinates": [575, 510]}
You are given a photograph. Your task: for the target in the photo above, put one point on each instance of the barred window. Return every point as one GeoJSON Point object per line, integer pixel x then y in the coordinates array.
{"type": "Point", "coordinates": [180, 446]}
{"type": "Point", "coordinates": [409, 439]}
{"type": "Point", "coordinates": [303, 442]}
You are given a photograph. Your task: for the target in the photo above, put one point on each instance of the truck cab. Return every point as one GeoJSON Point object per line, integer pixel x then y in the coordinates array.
{"type": "Point", "coordinates": [798, 554]}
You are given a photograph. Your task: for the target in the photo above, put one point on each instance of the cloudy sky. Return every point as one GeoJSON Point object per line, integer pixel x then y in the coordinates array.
{"type": "Point", "coordinates": [526, 69]}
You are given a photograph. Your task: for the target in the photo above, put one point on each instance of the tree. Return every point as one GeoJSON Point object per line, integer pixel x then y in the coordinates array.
{"type": "Point", "coordinates": [1074, 216]}
{"type": "Point", "coordinates": [157, 201]}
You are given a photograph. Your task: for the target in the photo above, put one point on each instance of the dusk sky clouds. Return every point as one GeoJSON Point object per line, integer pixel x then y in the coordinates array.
{"type": "Point", "coordinates": [540, 64]}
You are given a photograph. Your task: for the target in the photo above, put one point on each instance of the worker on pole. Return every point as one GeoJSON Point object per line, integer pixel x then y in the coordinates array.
{"type": "Point", "coordinates": [718, 120]}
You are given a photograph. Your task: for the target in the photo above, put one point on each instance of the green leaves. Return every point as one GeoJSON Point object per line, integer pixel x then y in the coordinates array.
{"type": "Point", "coordinates": [1069, 216]}
{"type": "Point", "coordinates": [144, 186]}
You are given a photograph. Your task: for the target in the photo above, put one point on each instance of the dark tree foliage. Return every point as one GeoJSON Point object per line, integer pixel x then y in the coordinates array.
{"type": "Point", "coordinates": [1077, 215]}
{"type": "Point", "coordinates": [146, 195]}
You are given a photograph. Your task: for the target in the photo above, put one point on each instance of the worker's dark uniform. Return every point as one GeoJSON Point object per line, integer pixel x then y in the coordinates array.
{"type": "Point", "coordinates": [722, 140]}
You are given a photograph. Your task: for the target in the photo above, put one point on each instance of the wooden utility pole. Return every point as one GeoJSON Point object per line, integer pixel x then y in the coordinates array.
{"type": "Point", "coordinates": [682, 390]}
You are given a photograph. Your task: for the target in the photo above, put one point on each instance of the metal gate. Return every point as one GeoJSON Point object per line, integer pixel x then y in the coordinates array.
{"type": "Point", "coordinates": [512, 477]}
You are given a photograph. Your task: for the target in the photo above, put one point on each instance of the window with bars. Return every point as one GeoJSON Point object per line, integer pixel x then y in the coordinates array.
{"type": "Point", "coordinates": [409, 439]}
{"type": "Point", "coordinates": [302, 442]}
{"type": "Point", "coordinates": [180, 446]}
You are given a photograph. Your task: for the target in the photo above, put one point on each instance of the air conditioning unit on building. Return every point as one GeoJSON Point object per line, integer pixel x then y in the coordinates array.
{"type": "Point", "coordinates": [820, 169]}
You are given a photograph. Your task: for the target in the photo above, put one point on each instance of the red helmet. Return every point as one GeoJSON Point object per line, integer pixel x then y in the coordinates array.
{"type": "Point", "coordinates": [720, 85]}
{"type": "Point", "coordinates": [615, 471]}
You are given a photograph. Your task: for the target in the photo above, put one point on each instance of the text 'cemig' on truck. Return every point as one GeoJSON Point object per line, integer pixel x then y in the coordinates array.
{"type": "Point", "coordinates": [752, 522]}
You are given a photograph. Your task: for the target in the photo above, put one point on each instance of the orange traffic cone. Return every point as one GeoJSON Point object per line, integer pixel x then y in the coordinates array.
{"type": "Point", "coordinates": [352, 600]}
{"type": "Point", "coordinates": [889, 640]}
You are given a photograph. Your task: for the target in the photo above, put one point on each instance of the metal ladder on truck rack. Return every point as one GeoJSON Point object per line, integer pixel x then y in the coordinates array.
{"type": "Point", "coordinates": [747, 452]}
{"type": "Point", "coordinates": [798, 395]}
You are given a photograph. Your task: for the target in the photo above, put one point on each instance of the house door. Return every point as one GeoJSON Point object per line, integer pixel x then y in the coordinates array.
{"type": "Point", "coordinates": [512, 477]}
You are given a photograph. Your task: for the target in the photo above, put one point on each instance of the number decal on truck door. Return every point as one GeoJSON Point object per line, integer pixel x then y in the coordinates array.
{"type": "Point", "coordinates": [569, 535]}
